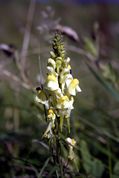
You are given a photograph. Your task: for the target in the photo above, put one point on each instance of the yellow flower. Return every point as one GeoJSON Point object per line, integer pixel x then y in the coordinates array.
{"type": "Point", "coordinates": [51, 62]}
{"type": "Point", "coordinates": [52, 82]}
{"type": "Point", "coordinates": [67, 59]}
{"type": "Point", "coordinates": [65, 103]}
{"type": "Point", "coordinates": [51, 115]}
{"type": "Point", "coordinates": [52, 78]}
{"type": "Point", "coordinates": [73, 87]}
{"type": "Point", "coordinates": [41, 98]}
{"type": "Point", "coordinates": [48, 133]}
{"type": "Point", "coordinates": [51, 66]}
{"type": "Point", "coordinates": [71, 141]}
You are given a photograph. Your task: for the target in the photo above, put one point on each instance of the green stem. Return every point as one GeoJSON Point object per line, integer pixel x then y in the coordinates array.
{"type": "Point", "coordinates": [57, 160]}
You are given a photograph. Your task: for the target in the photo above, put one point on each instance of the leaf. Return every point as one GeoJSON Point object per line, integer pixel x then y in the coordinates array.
{"type": "Point", "coordinates": [116, 168]}
{"type": "Point", "coordinates": [63, 150]}
{"type": "Point", "coordinates": [87, 162]}
{"type": "Point", "coordinates": [97, 168]}
{"type": "Point", "coordinates": [91, 165]}
{"type": "Point", "coordinates": [43, 168]}
{"type": "Point", "coordinates": [105, 84]}
{"type": "Point", "coordinates": [54, 169]}
{"type": "Point", "coordinates": [90, 47]}
{"type": "Point", "coordinates": [110, 74]}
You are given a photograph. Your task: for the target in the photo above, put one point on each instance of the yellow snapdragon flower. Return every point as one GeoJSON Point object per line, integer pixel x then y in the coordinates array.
{"type": "Point", "coordinates": [51, 65]}
{"type": "Point", "coordinates": [71, 141]}
{"type": "Point", "coordinates": [73, 86]}
{"type": "Point", "coordinates": [65, 103]}
{"type": "Point", "coordinates": [52, 82]}
{"type": "Point", "coordinates": [41, 98]}
{"type": "Point", "coordinates": [51, 115]}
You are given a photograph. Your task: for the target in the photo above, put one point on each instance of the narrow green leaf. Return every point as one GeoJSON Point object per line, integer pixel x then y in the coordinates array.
{"type": "Point", "coordinates": [105, 84]}
{"type": "Point", "coordinates": [90, 46]}
{"type": "Point", "coordinates": [43, 168]}
{"type": "Point", "coordinates": [116, 168]}
{"type": "Point", "coordinates": [54, 169]}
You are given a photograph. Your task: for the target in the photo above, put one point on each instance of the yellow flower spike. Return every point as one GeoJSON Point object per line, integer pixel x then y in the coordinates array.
{"type": "Point", "coordinates": [60, 87]}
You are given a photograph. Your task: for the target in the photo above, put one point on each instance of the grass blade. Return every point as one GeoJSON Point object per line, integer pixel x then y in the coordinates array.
{"type": "Point", "coordinates": [105, 84]}
{"type": "Point", "coordinates": [43, 168]}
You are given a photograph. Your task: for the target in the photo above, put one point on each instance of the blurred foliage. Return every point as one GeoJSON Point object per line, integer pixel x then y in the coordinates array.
{"type": "Point", "coordinates": [95, 121]}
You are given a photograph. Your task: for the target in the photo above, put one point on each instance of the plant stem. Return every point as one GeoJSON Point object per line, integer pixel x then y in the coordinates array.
{"type": "Point", "coordinates": [57, 160]}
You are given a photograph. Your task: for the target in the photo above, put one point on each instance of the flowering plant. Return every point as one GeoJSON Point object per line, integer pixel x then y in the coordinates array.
{"type": "Point", "coordinates": [57, 96]}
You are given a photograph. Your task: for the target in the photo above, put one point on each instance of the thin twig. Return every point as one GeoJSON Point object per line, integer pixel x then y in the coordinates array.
{"type": "Point", "coordinates": [80, 51]}
{"type": "Point", "coordinates": [13, 78]}
{"type": "Point", "coordinates": [26, 39]}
